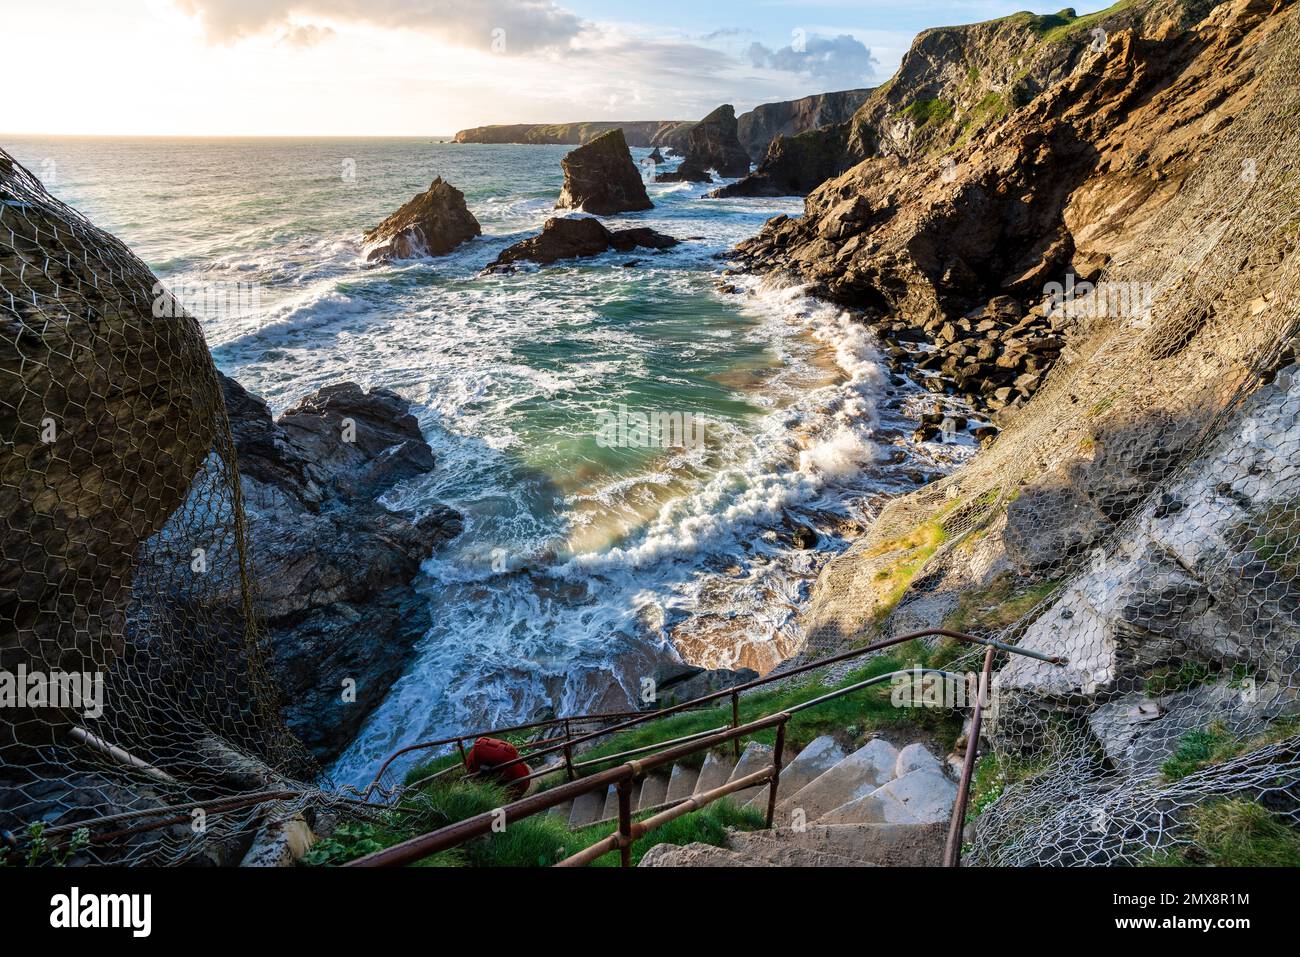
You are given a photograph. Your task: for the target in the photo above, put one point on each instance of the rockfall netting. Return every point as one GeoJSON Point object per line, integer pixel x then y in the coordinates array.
{"type": "Point", "coordinates": [1148, 502]}
{"type": "Point", "coordinates": [134, 695]}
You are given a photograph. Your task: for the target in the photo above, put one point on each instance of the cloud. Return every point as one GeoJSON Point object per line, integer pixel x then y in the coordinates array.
{"type": "Point", "coordinates": [841, 61]}
{"type": "Point", "coordinates": [501, 26]}
{"type": "Point", "coordinates": [304, 35]}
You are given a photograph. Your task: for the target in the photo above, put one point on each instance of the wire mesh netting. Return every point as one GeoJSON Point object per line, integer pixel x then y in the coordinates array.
{"type": "Point", "coordinates": [133, 665]}
{"type": "Point", "coordinates": [1149, 495]}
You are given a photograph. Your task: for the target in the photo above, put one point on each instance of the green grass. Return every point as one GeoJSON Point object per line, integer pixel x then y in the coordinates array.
{"type": "Point", "coordinates": [1215, 744]}
{"type": "Point", "coordinates": [1057, 27]}
{"type": "Point", "coordinates": [1236, 832]}
{"type": "Point", "coordinates": [1167, 679]}
{"type": "Point", "coordinates": [892, 579]}
{"type": "Point", "coordinates": [929, 112]}
{"type": "Point", "coordinates": [1196, 750]}
{"type": "Point", "coordinates": [1005, 601]}
{"type": "Point", "coordinates": [994, 774]}
{"type": "Point", "coordinates": [537, 841]}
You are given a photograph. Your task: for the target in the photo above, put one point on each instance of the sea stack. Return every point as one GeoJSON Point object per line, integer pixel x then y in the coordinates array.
{"type": "Point", "coordinates": [600, 178]}
{"type": "Point", "coordinates": [432, 224]}
{"type": "Point", "coordinates": [714, 143]}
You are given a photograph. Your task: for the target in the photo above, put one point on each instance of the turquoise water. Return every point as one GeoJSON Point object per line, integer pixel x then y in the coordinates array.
{"type": "Point", "coordinates": [583, 563]}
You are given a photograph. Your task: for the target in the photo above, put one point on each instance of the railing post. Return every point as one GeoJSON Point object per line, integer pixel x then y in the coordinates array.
{"type": "Point", "coordinates": [464, 758]}
{"type": "Point", "coordinates": [952, 852]}
{"type": "Point", "coordinates": [776, 772]}
{"type": "Point", "coordinates": [735, 721]}
{"type": "Point", "coordinates": [568, 751]}
{"type": "Point", "coordinates": [625, 822]}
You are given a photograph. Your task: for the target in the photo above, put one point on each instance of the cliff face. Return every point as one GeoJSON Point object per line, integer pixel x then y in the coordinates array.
{"type": "Point", "coordinates": [952, 85]}
{"type": "Point", "coordinates": [1137, 515]}
{"type": "Point", "coordinates": [640, 133]}
{"type": "Point", "coordinates": [764, 123]}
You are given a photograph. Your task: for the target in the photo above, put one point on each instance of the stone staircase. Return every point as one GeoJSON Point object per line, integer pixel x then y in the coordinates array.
{"type": "Point", "coordinates": [876, 806]}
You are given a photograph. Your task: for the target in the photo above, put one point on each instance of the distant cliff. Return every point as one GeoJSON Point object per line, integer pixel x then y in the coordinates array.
{"type": "Point", "coordinates": [643, 133]}
{"type": "Point", "coordinates": [761, 125]}
{"type": "Point", "coordinates": [758, 128]}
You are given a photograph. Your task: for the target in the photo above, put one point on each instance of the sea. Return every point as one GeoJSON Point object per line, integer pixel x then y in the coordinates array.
{"type": "Point", "coordinates": [631, 438]}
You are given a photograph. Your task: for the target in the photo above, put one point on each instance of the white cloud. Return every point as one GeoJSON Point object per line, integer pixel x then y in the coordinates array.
{"type": "Point", "coordinates": [841, 61]}
{"type": "Point", "coordinates": [509, 26]}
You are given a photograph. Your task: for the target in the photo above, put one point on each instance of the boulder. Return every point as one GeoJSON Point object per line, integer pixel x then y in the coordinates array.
{"type": "Point", "coordinates": [676, 682]}
{"type": "Point", "coordinates": [655, 156]}
{"type": "Point", "coordinates": [687, 172]}
{"type": "Point", "coordinates": [573, 238]}
{"type": "Point", "coordinates": [431, 224]}
{"type": "Point", "coordinates": [601, 178]}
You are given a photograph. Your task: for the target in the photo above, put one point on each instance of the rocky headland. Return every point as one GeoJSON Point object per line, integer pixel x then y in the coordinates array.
{"type": "Point", "coordinates": [1086, 226]}
{"type": "Point", "coordinates": [640, 133]}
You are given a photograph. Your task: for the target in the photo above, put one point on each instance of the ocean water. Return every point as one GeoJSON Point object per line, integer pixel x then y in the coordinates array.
{"type": "Point", "coordinates": [588, 557]}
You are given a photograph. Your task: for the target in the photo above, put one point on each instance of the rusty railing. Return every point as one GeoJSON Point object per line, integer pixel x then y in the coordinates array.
{"type": "Point", "coordinates": [623, 776]}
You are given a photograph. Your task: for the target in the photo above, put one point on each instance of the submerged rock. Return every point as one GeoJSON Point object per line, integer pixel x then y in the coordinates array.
{"type": "Point", "coordinates": [335, 567]}
{"type": "Point", "coordinates": [572, 238]}
{"type": "Point", "coordinates": [688, 172]}
{"type": "Point", "coordinates": [432, 224]}
{"type": "Point", "coordinates": [601, 178]}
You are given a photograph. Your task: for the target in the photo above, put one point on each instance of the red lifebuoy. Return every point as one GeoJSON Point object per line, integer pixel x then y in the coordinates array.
{"type": "Point", "coordinates": [490, 753]}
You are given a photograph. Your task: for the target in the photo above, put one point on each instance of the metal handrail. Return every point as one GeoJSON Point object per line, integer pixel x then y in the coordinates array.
{"type": "Point", "coordinates": [621, 778]}
{"type": "Point", "coordinates": [733, 692]}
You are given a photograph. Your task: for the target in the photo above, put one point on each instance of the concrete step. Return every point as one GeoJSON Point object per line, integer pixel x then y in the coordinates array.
{"type": "Point", "coordinates": [562, 811]}
{"type": "Point", "coordinates": [587, 808]}
{"type": "Point", "coordinates": [715, 772]}
{"type": "Point", "coordinates": [755, 757]}
{"type": "Point", "coordinates": [681, 783]}
{"type": "Point", "coordinates": [817, 758]}
{"type": "Point", "coordinates": [924, 796]}
{"type": "Point", "coordinates": [695, 855]}
{"type": "Point", "coordinates": [610, 810]}
{"type": "Point", "coordinates": [652, 792]}
{"type": "Point", "coordinates": [760, 846]}
{"type": "Point", "coordinates": [854, 777]}
{"type": "Point", "coordinates": [887, 845]}
{"type": "Point", "coordinates": [914, 757]}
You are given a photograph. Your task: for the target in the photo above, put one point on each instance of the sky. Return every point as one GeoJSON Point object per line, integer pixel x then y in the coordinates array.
{"type": "Point", "coordinates": [432, 67]}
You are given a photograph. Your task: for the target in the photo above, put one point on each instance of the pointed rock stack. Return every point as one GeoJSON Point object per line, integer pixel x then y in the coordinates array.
{"type": "Point", "coordinates": [600, 178]}
{"type": "Point", "coordinates": [432, 224]}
